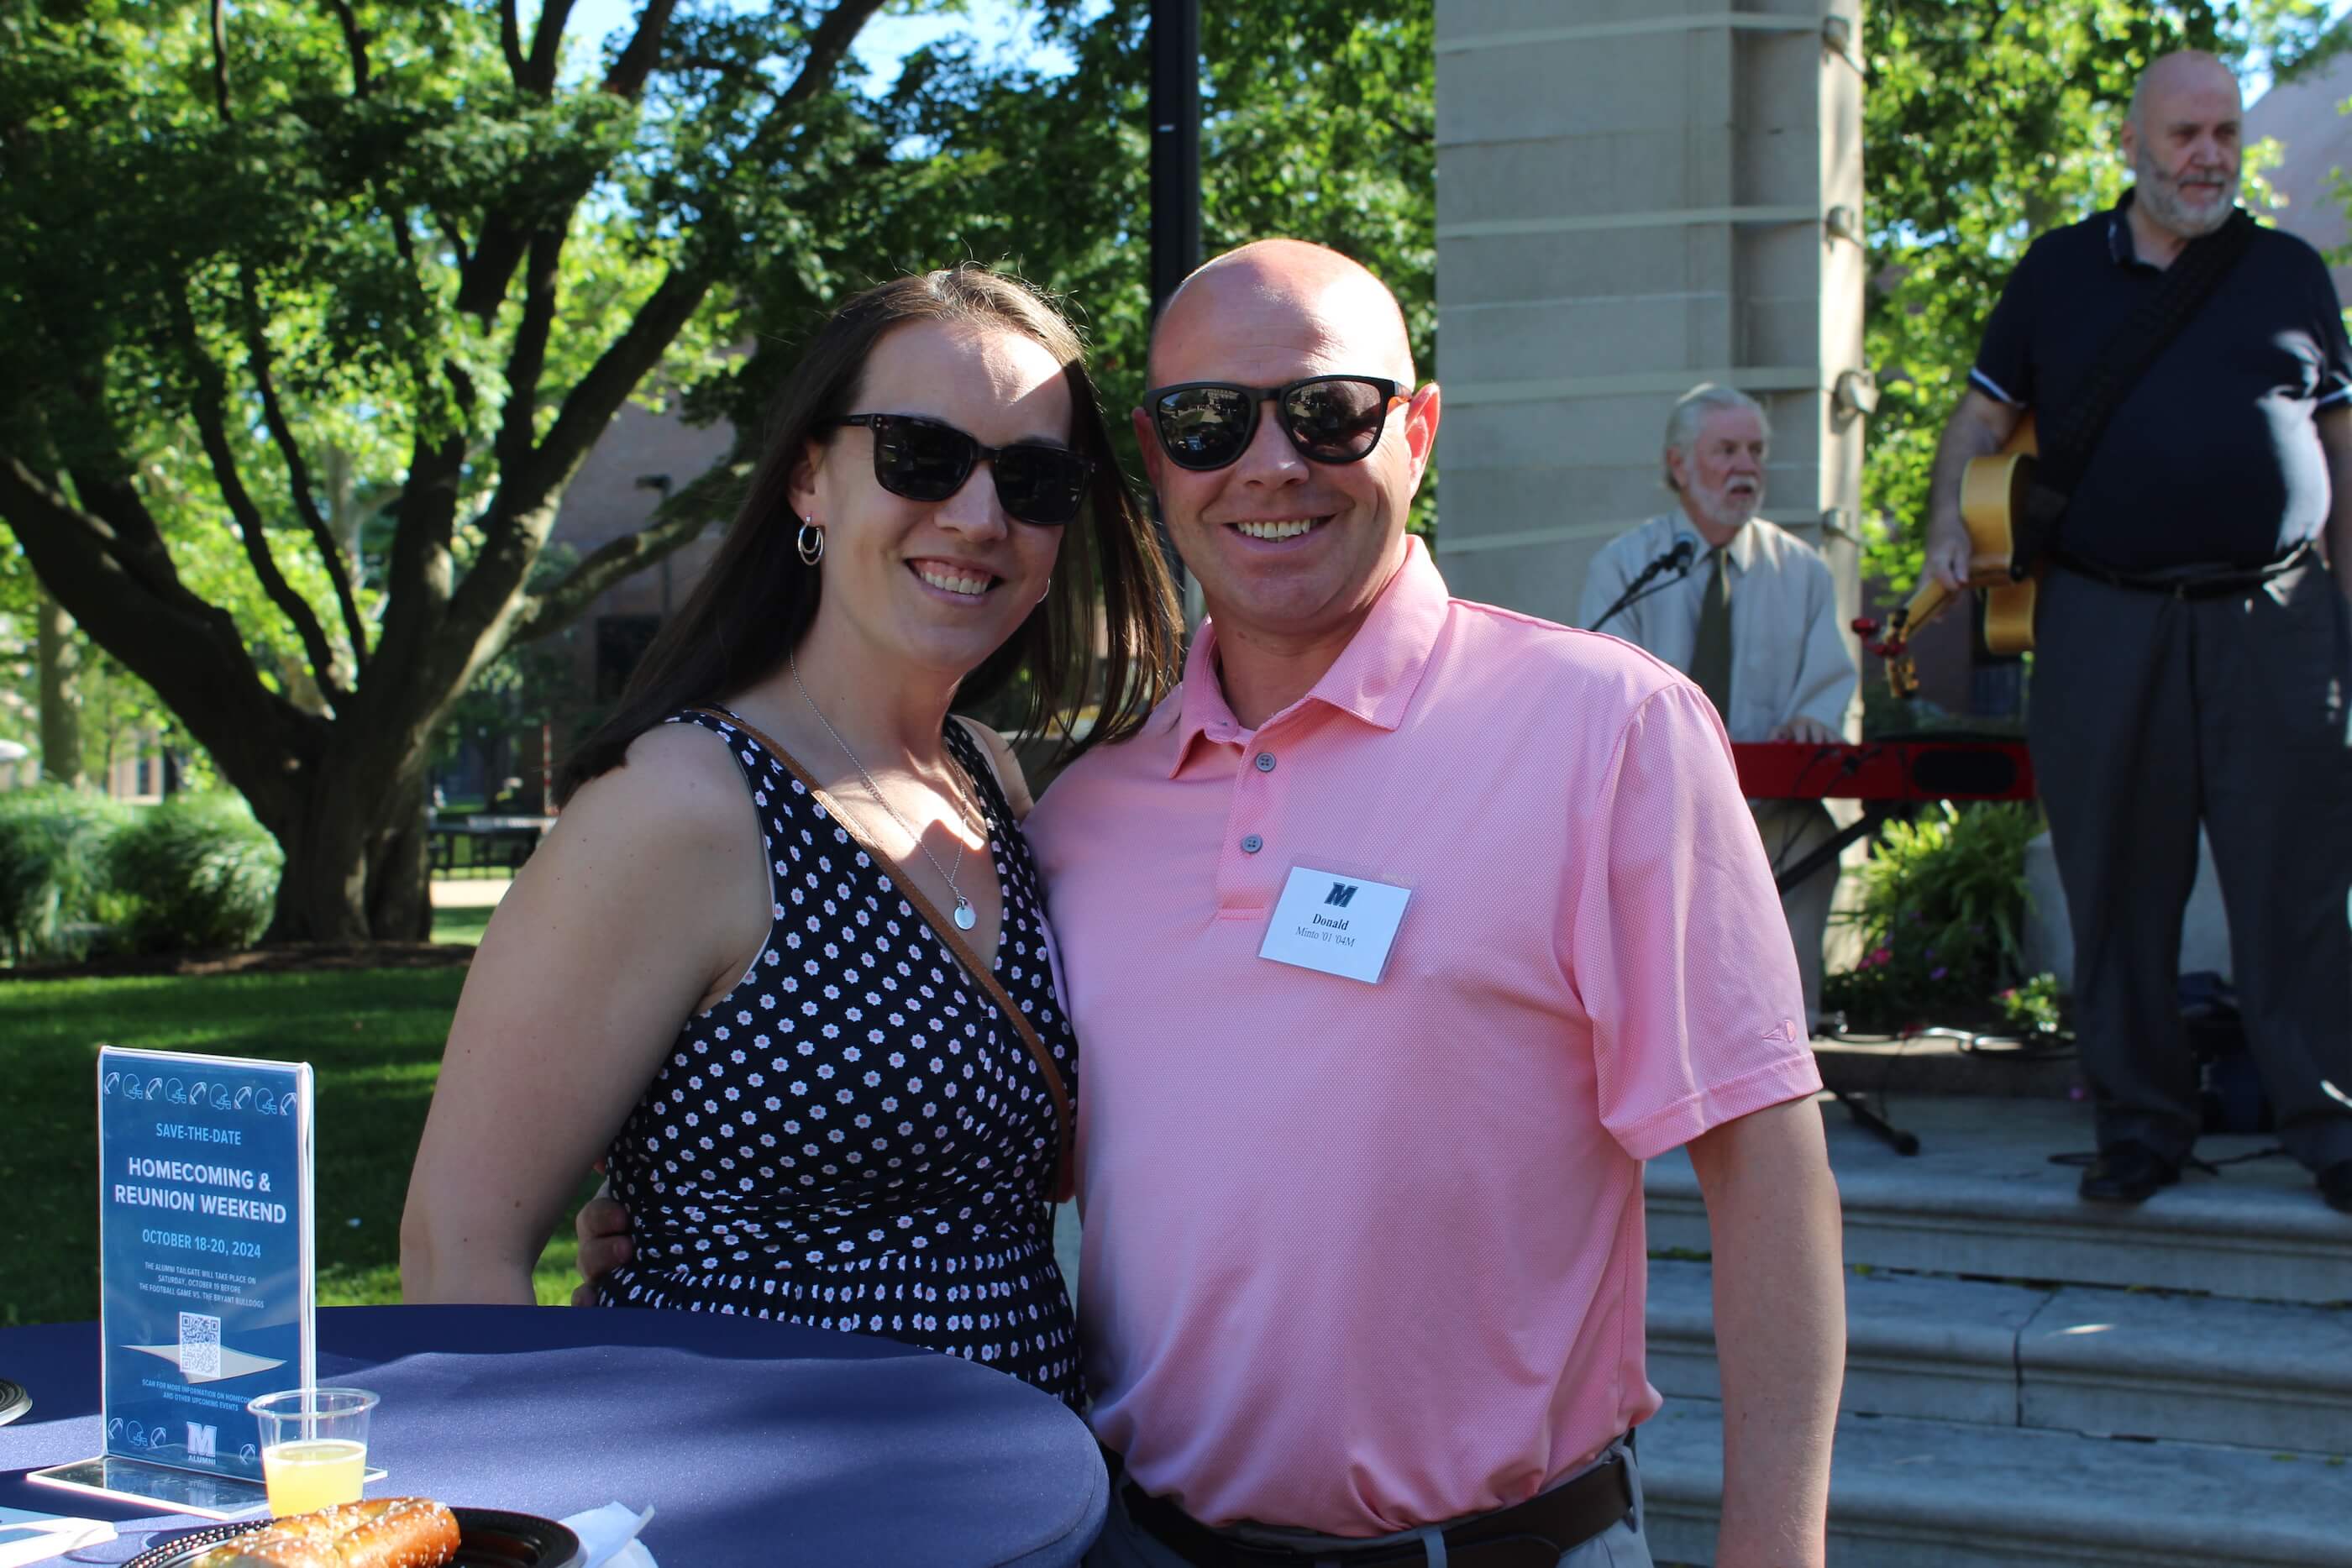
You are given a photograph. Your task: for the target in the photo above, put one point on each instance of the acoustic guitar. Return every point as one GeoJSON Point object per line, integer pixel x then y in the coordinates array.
{"type": "Point", "coordinates": [1992, 503]}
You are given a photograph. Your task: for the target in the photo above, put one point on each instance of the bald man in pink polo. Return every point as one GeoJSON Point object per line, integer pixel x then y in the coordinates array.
{"type": "Point", "coordinates": [1405, 933]}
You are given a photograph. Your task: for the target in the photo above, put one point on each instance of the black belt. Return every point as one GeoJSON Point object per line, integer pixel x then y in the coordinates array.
{"type": "Point", "coordinates": [1532, 1534]}
{"type": "Point", "coordinates": [2219, 583]}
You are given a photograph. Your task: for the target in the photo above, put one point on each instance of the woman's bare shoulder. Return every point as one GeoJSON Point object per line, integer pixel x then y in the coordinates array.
{"type": "Point", "coordinates": [677, 792]}
{"type": "Point", "coordinates": [656, 860]}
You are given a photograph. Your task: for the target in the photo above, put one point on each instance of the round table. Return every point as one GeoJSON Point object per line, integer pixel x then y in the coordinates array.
{"type": "Point", "coordinates": [757, 1443]}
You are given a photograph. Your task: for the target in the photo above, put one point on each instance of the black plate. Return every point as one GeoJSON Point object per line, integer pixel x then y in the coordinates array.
{"type": "Point", "coordinates": [487, 1538]}
{"type": "Point", "coordinates": [14, 1401]}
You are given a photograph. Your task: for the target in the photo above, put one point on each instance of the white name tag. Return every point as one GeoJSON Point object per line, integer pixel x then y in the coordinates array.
{"type": "Point", "coordinates": [1336, 925]}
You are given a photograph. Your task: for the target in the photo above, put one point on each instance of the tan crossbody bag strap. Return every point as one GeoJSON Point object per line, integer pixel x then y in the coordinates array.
{"type": "Point", "coordinates": [1065, 1168]}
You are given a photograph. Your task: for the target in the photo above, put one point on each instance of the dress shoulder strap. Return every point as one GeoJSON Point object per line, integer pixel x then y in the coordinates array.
{"type": "Point", "coordinates": [738, 737]}
{"type": "Point", "coordinates": [1003, 766]}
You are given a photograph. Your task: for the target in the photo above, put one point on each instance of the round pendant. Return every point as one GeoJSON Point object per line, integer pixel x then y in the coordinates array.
{"type": "Point", "coordinates": [964, 918]}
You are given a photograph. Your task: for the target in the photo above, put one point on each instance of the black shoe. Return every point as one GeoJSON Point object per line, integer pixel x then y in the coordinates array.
{"type": "Point", "coordinates": [2128, 1173]}
{"type": "Point", "coordinates": [2335, 1186]}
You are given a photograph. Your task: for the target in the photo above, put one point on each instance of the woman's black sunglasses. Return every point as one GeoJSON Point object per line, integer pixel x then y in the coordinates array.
{"type": "Point", "coordinates": [1331, 419]}
{"type": "Point", "coordinates": [925, 460]}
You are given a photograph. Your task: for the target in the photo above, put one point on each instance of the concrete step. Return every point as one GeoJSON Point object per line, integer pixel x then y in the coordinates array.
{"type": "Point", "coordinates": [1981, 1198]}
{"type": "Point", "coordinates": [2082, 1359]}
{"type": "Point", "coordinates": [1942, 1349]}
{"type": "Point", "coordinates": [1936, 1494]}
{"type": "Point", "coordinates": [2209, 1369]}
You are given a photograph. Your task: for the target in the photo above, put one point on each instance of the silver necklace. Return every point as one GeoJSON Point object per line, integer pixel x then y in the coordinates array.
{"type": "Point", "coordinates": [963, 915]}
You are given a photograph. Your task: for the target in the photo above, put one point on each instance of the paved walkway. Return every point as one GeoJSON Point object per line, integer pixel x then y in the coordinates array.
{"type": "Point", "coordinates": [469, 891]}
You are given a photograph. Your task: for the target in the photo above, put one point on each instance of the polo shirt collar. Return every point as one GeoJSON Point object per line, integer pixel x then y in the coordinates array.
{"type": "Point", "coordinates": [2121, 248]}
{"type": "Point", "coordinates": [1373, 679]}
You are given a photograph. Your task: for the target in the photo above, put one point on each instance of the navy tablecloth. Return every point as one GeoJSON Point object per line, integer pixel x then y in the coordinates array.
{"type": "Point", "coordinates": [758, 1443]}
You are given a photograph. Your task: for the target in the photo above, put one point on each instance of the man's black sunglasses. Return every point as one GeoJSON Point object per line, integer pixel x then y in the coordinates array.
{"type": "Point", "coordinates": [1331, 419]}
{"type": "Point", "coordinates": [925, 460]}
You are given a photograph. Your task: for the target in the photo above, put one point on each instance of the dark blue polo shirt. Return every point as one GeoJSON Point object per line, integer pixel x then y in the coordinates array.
{"type": "Point", "coordinates": [2212, 458]}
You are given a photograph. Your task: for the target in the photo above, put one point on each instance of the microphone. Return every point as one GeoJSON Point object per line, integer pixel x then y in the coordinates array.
{"type": "Point", "coordinates": [1677, 560]}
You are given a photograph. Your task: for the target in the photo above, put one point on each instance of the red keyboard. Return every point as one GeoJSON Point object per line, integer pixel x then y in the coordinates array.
{"type": "Point", "coordinates": [1906, 770]}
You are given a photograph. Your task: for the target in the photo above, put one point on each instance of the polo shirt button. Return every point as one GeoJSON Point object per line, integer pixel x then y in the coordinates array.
{"type": "Point", "coordinates": [1252, 844]}
{"type": "Point", "coordinates": [1265, 762]}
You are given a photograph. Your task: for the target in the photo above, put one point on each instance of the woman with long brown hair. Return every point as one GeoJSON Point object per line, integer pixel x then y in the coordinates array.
{"type": "Point", "coordinates": [783, 961]}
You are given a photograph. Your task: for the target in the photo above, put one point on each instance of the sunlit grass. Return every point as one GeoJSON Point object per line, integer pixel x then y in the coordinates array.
{"type": "Point", "coordinates": [466, 925]}
{"type": "Point", "coordinates": [374, 1037]}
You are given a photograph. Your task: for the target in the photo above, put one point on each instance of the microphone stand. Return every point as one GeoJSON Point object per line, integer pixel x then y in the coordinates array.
{"type": "Point", "coordinates": [1677, 560]}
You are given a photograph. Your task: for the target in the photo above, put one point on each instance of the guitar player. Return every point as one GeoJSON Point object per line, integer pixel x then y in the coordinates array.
{"type": "Point", "coordinates": [2192, 659]}
{"type": "Point", "coordinates": [1746, 610]}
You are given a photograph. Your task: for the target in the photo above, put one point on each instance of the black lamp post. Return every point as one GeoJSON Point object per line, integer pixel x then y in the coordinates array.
{"type": "Point", "coordinates": [1175, 145]}
{"type": "Point", "coordinates": [1175, 169]}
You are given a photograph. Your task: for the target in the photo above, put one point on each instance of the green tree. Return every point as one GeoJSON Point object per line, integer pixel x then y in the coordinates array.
{"type": "Point", "coordinates": [1319, 121]}
{"type": "Point", "coordinates": [255, 263]}
{"type": "Point", "coordinates": [1985, 123]}
{"type": "Point", "coordinates": [284, 418]}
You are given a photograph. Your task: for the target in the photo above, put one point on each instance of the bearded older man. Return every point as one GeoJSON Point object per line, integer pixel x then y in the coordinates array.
{"type": "Point", "coordinates": [2192, 657]}
{"type": "Point", "coordinates": [1751, 616]}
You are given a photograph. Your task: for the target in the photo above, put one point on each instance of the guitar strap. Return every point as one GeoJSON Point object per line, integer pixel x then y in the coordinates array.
{"type": "Point", "coordinates": [2070, 434]}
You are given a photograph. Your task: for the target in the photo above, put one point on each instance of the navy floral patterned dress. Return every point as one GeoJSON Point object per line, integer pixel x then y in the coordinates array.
{"type": "Point", "coordinates": [854, 1137]}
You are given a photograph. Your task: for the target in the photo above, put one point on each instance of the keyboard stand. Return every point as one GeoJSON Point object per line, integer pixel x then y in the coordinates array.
{"type": "Point", "coordinates": [1858, 1107]}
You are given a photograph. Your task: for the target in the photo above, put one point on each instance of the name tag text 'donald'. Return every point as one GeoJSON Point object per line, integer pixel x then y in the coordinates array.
{"type": "Point", "coordinates": [1335, 924]}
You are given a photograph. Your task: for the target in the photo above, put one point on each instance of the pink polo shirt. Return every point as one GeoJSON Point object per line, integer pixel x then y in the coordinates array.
{"type": "Point", "coordinates": [1361, 1256]}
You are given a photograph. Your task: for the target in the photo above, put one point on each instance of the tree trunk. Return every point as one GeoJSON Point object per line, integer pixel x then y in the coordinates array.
{"type": "Point", "coordinates": [400, 883]}
{"type": "Point", "coordinates": [61, 706]}
{"type": "Point", "coordinates": [355, 859]}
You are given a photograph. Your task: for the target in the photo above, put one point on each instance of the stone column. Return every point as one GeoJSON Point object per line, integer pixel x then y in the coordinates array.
{"type": "Point", "coordinates": [1635, 196]}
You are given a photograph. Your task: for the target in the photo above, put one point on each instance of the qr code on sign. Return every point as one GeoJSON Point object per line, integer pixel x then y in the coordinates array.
{"type": "Point", "coordinates": [199, 1346]}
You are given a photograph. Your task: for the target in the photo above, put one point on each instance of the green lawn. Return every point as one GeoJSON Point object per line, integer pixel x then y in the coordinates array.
{"type": "Point", "coordinates": [460, 924]}
{"type": "Point", "coordinates": [374, 1037]}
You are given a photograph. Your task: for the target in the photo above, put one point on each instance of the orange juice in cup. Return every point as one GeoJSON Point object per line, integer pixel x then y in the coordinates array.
{"type": "Point", "coordinates": [313, 1446]}
{"type": "Point", "coordinates": [314, 1475]}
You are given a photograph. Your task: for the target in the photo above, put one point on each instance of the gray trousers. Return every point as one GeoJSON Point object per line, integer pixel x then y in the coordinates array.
{"type": "Point", "coordinates": [1792, 829]}
{"type": "Point", "coordinates": [1127, 1544]}
{"type": "Point", "coordinates": [2149, 714]}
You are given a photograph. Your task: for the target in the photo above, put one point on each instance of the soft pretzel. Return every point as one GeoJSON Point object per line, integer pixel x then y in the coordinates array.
{"type": "Point", "coordinates": [380, 1533]}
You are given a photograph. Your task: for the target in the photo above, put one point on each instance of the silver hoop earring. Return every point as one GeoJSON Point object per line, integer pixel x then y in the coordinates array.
{"type": "Point", "coordinates": [1049, 589]}
{"type": "Point", "coordinates": [811, 544]}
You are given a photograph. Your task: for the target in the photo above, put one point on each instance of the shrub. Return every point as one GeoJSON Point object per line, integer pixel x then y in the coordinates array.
{"type": "Point", "coordinates": [2038, 1009]}
{"type": "Point", "coordinates": [1942, 901]}
{"type": "Point", "coordinates": [52, 842]}
{"type": "Point", "coordinates": [196, 872]}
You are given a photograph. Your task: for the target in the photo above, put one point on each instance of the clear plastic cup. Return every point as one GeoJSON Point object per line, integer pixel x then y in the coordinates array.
{"type": "Point", "coordinates": [313, 1446]}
